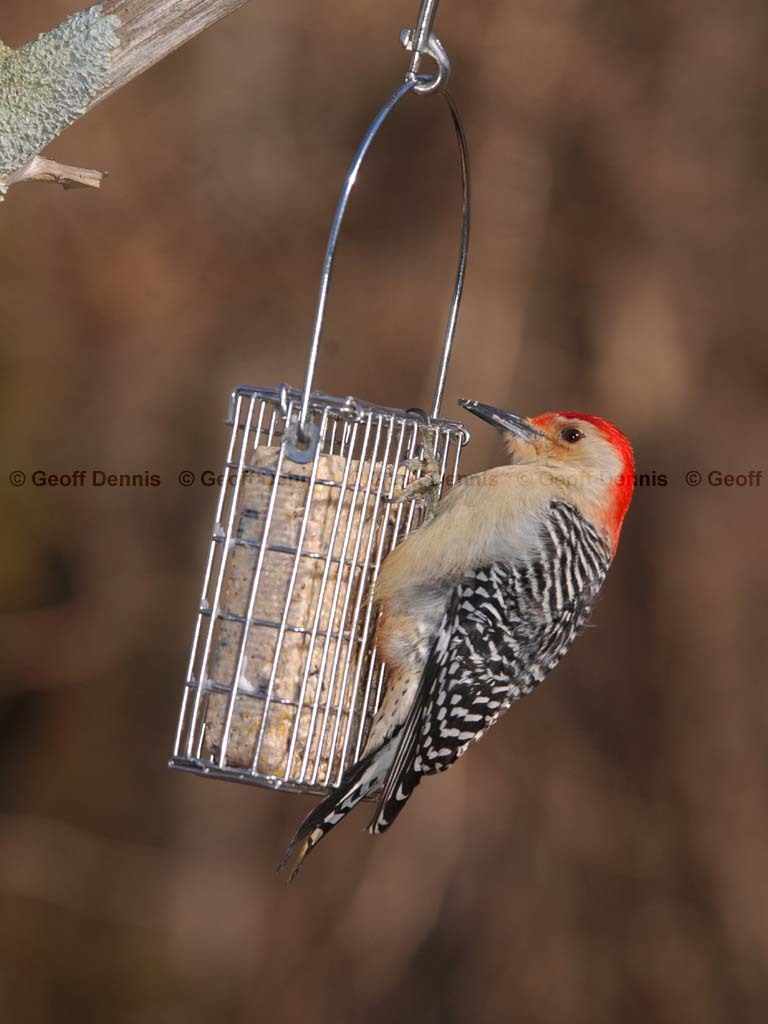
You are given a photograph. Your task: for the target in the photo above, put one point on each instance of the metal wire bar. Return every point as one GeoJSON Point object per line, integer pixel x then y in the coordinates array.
{"type": "Point", "coordinates": [287, 604]}
{"type": "Point", "coordinates": [374, 666]}
{"type": "Point", "coordinates": [220, 577]}
{"type": "Point", "coordinates": [251, 597]}
{"type": "Point", "coordinates": [320, 600]}
{"type": "Point", "coordinates": [203, 596]}
{"type": "Point", "coordinates": [271, 624]}
{"type": "Point", "coordinates": [461, 271]}
{"type": "Point", "coordinates": [276, 698]}
{"type": "Point", "coordinates": [348, 409]}
{"type": "Point", "coordinates": [231, 774]}
{"type": "Point", "coordinates": [361, 589]}
{"type": "Point", "coordinates": [333, 238]}
{"type": "Point", "coordinates": [367, 624]}
{"type": "Point", "coordinates": [358, 591]}
{"type": "Point", "coordinates": [352, 562]}
{"type": "Point", "coordinates": [364, 517]}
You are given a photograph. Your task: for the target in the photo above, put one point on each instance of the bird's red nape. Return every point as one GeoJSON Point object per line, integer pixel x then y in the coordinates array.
{"type": "Point", "coordinates": [625, 482]}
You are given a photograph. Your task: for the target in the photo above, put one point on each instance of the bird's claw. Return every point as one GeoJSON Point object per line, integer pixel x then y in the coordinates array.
{"type": "Point", "coordinates": [426, 487]}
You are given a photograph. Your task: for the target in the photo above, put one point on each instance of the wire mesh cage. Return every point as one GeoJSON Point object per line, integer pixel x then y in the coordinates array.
{"type": "Point", "coordinates": [283, 678]}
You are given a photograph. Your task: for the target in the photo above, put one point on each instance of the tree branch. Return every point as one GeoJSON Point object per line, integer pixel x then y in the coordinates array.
{"type": "Point", "coordinates": [151, 29]}
{"type": "Point", "coordinates": [49, 83]}
{"type": "Point", "coordinates": [40, 169]}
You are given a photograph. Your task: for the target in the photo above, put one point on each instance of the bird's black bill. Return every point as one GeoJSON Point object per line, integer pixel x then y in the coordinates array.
{"type": "Point", "coordinates": [517, 425]}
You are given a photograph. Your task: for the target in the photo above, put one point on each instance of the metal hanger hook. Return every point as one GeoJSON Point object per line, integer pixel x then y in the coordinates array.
{"type": "Point", "coordinates": [434, 49]}
{"type": "Point", "coordinates": [422, 41]}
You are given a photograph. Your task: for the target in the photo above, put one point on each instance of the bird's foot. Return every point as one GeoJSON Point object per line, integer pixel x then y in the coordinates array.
{"type": "Point", "coordinates": [425, 488]}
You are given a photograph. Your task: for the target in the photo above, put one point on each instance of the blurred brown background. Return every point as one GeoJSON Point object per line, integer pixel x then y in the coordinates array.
{"type": "Point", "coordinates": [602, 855]}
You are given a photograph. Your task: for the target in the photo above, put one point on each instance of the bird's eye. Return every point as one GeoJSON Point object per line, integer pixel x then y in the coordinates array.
{"type": "Point", "coordinates": [571, 435]}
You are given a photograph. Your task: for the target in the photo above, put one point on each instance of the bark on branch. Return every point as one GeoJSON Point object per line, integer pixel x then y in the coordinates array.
{"type": "Point", "coordinates": [52, 81]}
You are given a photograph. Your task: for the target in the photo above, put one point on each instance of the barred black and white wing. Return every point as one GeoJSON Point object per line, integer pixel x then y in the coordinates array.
{"type": "Point", "coordinates": [505, 628]}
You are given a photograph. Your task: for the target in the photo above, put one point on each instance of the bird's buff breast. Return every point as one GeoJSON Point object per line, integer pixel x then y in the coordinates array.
{"type": "Point", "coordinates": [487, 518]}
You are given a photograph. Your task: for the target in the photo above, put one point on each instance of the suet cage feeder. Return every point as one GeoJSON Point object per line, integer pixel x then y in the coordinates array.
{"type": "Point", "coordinates": [283, 677]}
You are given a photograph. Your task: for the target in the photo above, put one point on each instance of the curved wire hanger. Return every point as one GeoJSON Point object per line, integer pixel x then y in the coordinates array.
{"type": "Point", "coordinates": [421, 42]}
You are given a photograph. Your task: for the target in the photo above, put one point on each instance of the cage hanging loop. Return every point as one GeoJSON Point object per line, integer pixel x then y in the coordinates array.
{"type": "Point", "coordinates": [435, 49]}
{"type": "Point", "coordinates": [300, 443]}
{"type": "Point", "coordinates": [421, 42]}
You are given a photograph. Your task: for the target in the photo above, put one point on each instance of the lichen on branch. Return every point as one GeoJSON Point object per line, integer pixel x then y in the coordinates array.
{"type": "Point", "coordinates": [50, 82]}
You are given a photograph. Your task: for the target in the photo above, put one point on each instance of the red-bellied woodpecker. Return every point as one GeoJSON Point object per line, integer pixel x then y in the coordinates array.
{"type": "Point", "coordinates": [481, 603]}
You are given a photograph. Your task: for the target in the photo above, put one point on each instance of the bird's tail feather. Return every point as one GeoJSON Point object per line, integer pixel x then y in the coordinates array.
{"type": "Point", "coordinates": [362, 778]}
{"type": "Point", "coordinates": [402, 777]}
